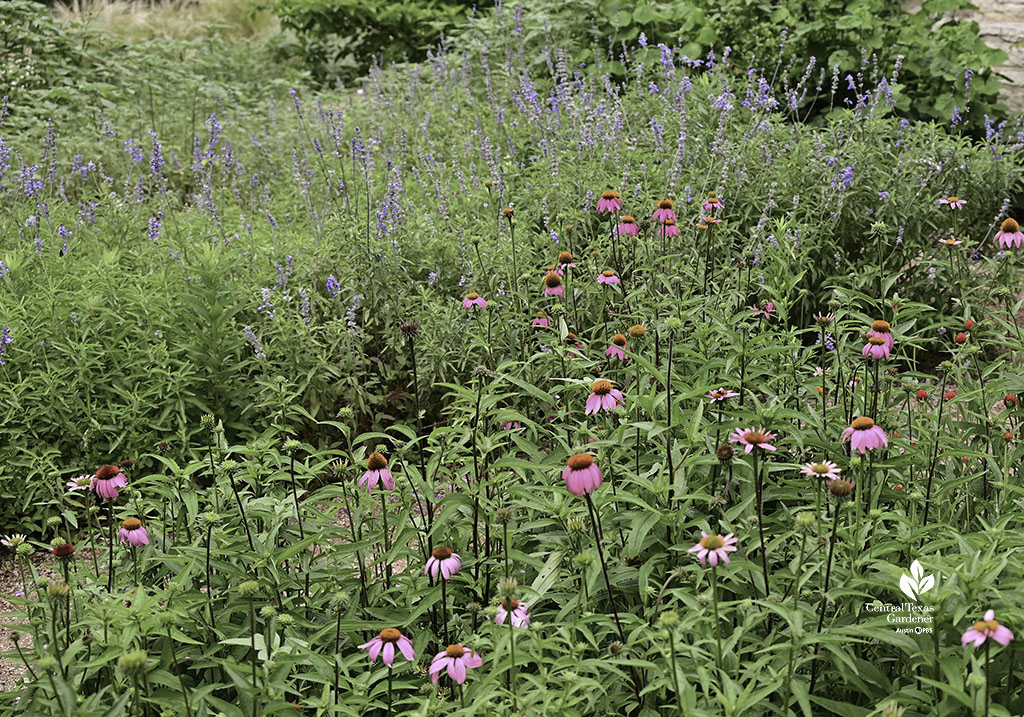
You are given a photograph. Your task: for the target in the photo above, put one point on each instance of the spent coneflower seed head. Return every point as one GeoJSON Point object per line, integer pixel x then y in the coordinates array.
{"type": "Point", "coordinates": [637, 330]}
{"type": "Point", "coordinates": [65, 550]}
{"type": "Point", "coordinates": [840, 488]}
{"type": "Point", "coordinates": [724, 453]}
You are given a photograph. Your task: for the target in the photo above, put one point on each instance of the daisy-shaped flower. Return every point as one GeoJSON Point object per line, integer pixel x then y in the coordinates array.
{"type": "Point", "coordinates": [713, 202]}
{"type": "Point", "coordinates": [615, 350]}
{"type": "Point", "coordinates": [603, 397]}
{"type": "Point", "coordinates": [864, 435]}
{"type": "Point", "coordinates": [553, 285]}
{"type": "Point", "coordinates": [664, 212]}
{"type": "Point", "coordinates": [442, 560]}
{"type": "Point", "coordinates": [473, 299]}
{"type": "Point", "coordinates": [607, 277]}
{"type": "Point", "coordinates": [13, 541]}
{"type": "Point", "coordinates": [565, 260]}
{"type": "Point", "coordinates": [882, 329]}
{"type": "Point", "coordinates": [669, 228]}
{"type": "Point", "coordinates": [107, 480]}
{"type": "Point", "coordinates": [610, 202]}
{"type": "Point", "coordinates": [953, 202]}
{"type": "Point", "coordinates": [764, 310]}
{"type": "Point", "coordinates": [542, 321]}
{"type": "Point", "coordinates": [876, 348]}
{"type": "Point", "coordinates": [752, 438]}
{"type": "Point", "coordinates": [581, 474]}
{"type": "Point", "coordinates": [986, 628]}
{"type": "Point", "coordinates": [825, 469]}
{"type": "Point", "coordinates": [714, 549]}
{"type": "Point", "coordinates": [518, 611]}
{"type": "Point", "coordinates": [80, 483]}
{"type": "Point", "coordinates": [628, 227]}
{"type": "Point", "coordinates": [385, 643]}
{"type": "Point", "coordinates": [1010, 233]}
{"type": "Point", "coordinates": [720, 394]}
{"type": "Point", "coordinates": [377, 470]}
{"type": "Point", "coordinates": [133, 533]}
{"type": "Point", "coordinates": [457, 659]}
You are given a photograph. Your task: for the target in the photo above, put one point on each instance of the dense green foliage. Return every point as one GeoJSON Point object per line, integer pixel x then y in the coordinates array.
{"type": "Point", "coordinates": [239, 298]}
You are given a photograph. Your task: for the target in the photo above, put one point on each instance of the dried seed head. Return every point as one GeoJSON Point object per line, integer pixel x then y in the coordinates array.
{"type": "Point", "coordinates": [724, 453]}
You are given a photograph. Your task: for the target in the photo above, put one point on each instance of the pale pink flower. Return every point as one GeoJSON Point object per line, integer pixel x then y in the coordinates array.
{"type": "Point", "coordinates": [603, 397]}
{"type": "Point", "coordinates": [457, 659]}
{"type": "Point", "coordinates": [882, 329]}
{"type": "Point", "coordinates": [615, 349]}
{"type": "Point", "coordinates": [714, 549]}
{"type": "Point", "coordinates": [80, 483]}
{"type": "Point", "coordinates": [473, 299]}
{"type": "Point", "coordinates": [610, 202]}
{"type": "Point", "coordinates": [825, 469]}
{"type": "Point", "coordinates": [607, 277]}
{"type": "Point", "coordinates": [553, 285]}
{"type": "Point", "coordinates": [107, 480]}
{"type": "Point", "coordinates": [442, 560]}
{"type": "Point", "coordinates": [986, 628]}
{"type": "Point", "coordinates": [384, 645]}
{"type": "Point", "coordinates": [1010, 233]}
{"type": "Point", "coordinates": [14, 540]}
{"type": "Point", "coordinates": [519, 613]}
{"type": "Point", "coordinates": [720, 394]}
{"type": "Point", "coordinates": [953, 202]}
{"type": "Point", "coordinates": [864, 435]}
{"type": "Point", "coordinates": [133, 533]}
{"type": "Point", "coordinates": [664, 212]}
{"type": "Point", "coordinates": [876, 348]}
{"type": "Point", "coordinates": [669, 228]}
{"type": "Point", "coordinates": [581, 474]}
{"type": "Point", "coordinates": [752, 439]}
{"type": "Point", "coordinates": [712, 203]}
{"type": "Point", "coordinates": [542, 321]}
{"type": "Point", "coordinates": [377, 471]}
{"type": "Point", "coordinates": [764, 309]}
{"type": "Point", "coordinates": [628, 227]}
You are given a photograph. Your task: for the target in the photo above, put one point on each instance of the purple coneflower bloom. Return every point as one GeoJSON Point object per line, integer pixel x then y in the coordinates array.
{"type": "Point", "coordinates": [875, 348]}
{"type": "Point", "coordinates": [765, 309]}
{"type": "Point", "coordinates": [720, 394]}
{"type": "Point", "coordinates": [443, 560]}
{"type": "Point", "coordinates": [986, 628]}
{"type": "Point", "coordinates": [457, 659]}
{"type": "Point", "coordinates": [581, 474]}
{"type": "Point", "coordinates": [553, 285]}
{"type": "Point", "coordinates": [628, 227]}
{"type": "Point", "coordinates": [1010, 233]}
{"type": "Point", "coordinates": [603, 396]}
{"type": "Point", "coordinates": [882, 329]}
{"type": "Point", "coordinates": [752, 439]}
{"type": "Point", "coordinates": [607, 277]}
{"type": "Point", "coordinates": [669, 228]}
{"type": "Point", "coordinates": [107, 480]}
{"type": "Point", "coordinates": [713, 202]}
{"type": "Point", "coordinates": [714, 549]}
{"type": "Point", "coordinates": [953, 202]}
{"type": "Point", "coordinates": [377, 470]}
{"type": "Point", "coordinates": [664, 212]}
{"type": "Point", "coordinates": [384, 645]}
{"type": "Point", "coordinates": [542, 320]}
{"type": "Point", "coordinates": [609, 202]}
{"type": "Point", "coordinates": [615, 350]}
{"type": "Point", "coordinates": [473, 299]}
{"type": "Point", "coordinates": [133, 533]}
{"type": "Point", "coordinates": [864, 435]}
{"type": "Point", "coordinates": [518, 611]}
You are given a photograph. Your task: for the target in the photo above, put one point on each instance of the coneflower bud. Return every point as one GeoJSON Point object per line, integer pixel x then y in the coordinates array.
{"type": "Point", "coordinates": [57, 589]}
{"type": "Point", "coordinates": [134, 661]}
{"type": "Point", "coordinates": [724, 453]}
{"type": "Point", "coordinates": [637, 330]}
{"type": "Point", "coordinates": [292, 445]}
{"type": "Point", "coordinates": [206, 421]}
{"type": "Point", "coordinates": [249, 589]}
{"type": "Point", "coordinates": [507, 588]}
{"type": "Point", "coordinates": [669, 619]}
{"type": "Point", "coordinates": [504, 515]}
{"type": "Point", "coordinates": [840, 488]}
{"type": "Point", "coordinates": [409, 328]}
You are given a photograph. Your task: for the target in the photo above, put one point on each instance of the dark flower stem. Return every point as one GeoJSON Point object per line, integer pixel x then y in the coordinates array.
{"type": "Point", "coordinates": [110, 566]}
{"type": "Point", "coordinates": [935, 450]}
{"type": "Point", "coordinates": [177, 671]}
{"type": "Point", "coordinates": [604, 566]}
{"type": "Point", "coordinates": [209, 582]}
{"type": "Point", "coordinates": [824, 591]}
{"type": "Point", "coordinates": [759, 487]}
{"type": "Point", "coordinates": [444, 608]}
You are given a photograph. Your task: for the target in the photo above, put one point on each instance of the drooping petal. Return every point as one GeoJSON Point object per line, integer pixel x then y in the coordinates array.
{"type": "Point", "coordinates": [457, 670]}
{"type": "Point", "coordinates": [405, 645]}
{"type": "Point", "coordinates": [375, 647]}
{"type": "Point", "coordinates": [1002, 635]}
{"type": "Point", "coordinates": [389, 654]}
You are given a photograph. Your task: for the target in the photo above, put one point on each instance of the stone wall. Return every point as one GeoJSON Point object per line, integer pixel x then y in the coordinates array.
{"type": "Point", "coordinates": [1001, 24]}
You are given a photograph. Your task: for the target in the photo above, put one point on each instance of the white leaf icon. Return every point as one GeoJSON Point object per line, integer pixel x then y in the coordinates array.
{"type": "Point", "coordinates": [916, 570]}
{"type": "Point", "coordinates": [909, 586]}
{"type": "Point", "coordinates": [926, 584]}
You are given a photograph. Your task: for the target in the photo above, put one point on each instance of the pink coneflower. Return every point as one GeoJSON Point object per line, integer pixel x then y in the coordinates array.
{"type": "Point", "coordinates": [553, 285]}
{"type": "Point", "coordinates": [882, 329]}
{"type": "Point", "coordinates": [615, 349]}
{"type": "Point", "coordinates": [664, 212]}
{"type": "Point", "coordinates": [384, 645]}
{"type": "Point", "coordinates": [628, 227]}
{"type": "Point", "coordinates": [581, 474]}
{"type": "Point", "coordinates": [609, 202]}
{"type": "Point", "coordinates": [669, 228]}
{"type": "Point", "coordinates": [953, 202]}
{"type": "Point", "coordinates": [107, 480]}
{"type": "Point", "coordinates": [554, 268]}
{"type": "Point", "coordinates": [512, 426]}
{"type": "Point", "coordinates": [572, 340]}
{"type": "Point", "coordinates": [133, 533]}
{"type": "Point", "coordinates": [607, 277]}
{"type": "Point", "coordinates": [457, 659]}
{"type": "Point", "coordinates": [752, 439]}
{"type": "Point", "coordinates": [603, 396]}
{"type": "Point", "coordinates": [825, 469]}
{"type": "Point", "coordinates": [875, 348]}
{"type": "Point", "coordinates": [542, 320]}
{"type": "Point", "coordinates": [720, 394]}
{"type": "Point", "coordinates": [713, 202]}
{"type": "Point", "coordinates": [765, 309]}
{"type": "Point", "coordinates": [377, 470]}
{"type": "Point", "coordinates": [443, 560]}
{"type": "Point", "coordinates": [518, 611]}
{"type": "Point", "coordinates": [80, 483]}
{"type": "Point", "coordinates": [714, 549]}
{"type": "Point", "coordinates": [565, 260]}
{"type": "Point", "coordinates": [473, 299]}
{"type": "Point", "coordinates": [864, 435]}
{"type": "Point", "coordinates": [706, 221]}
{"type": "Point", "coordinates": [1010, 233]}
{"type": "Point", "coordinates": [986, 628]}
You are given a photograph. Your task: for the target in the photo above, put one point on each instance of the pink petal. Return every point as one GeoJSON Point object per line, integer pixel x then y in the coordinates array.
{"type": "Point", "coordinates": [473, 660]}
{"type": "Point", "coordinates": [389, 653]}
{"type": "Point", "coordinates": [593, 404]}
{"type": "Point", "coordinates": [1002, 635]}
{"type": "Point", "coordinates": [989, 615]}
{"type": "Point", "coordinates": [457, 671]}
{"type": "Point", "coordinates": [375, 647]}
{"type": "Point", "coordinates": [405, 645]}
